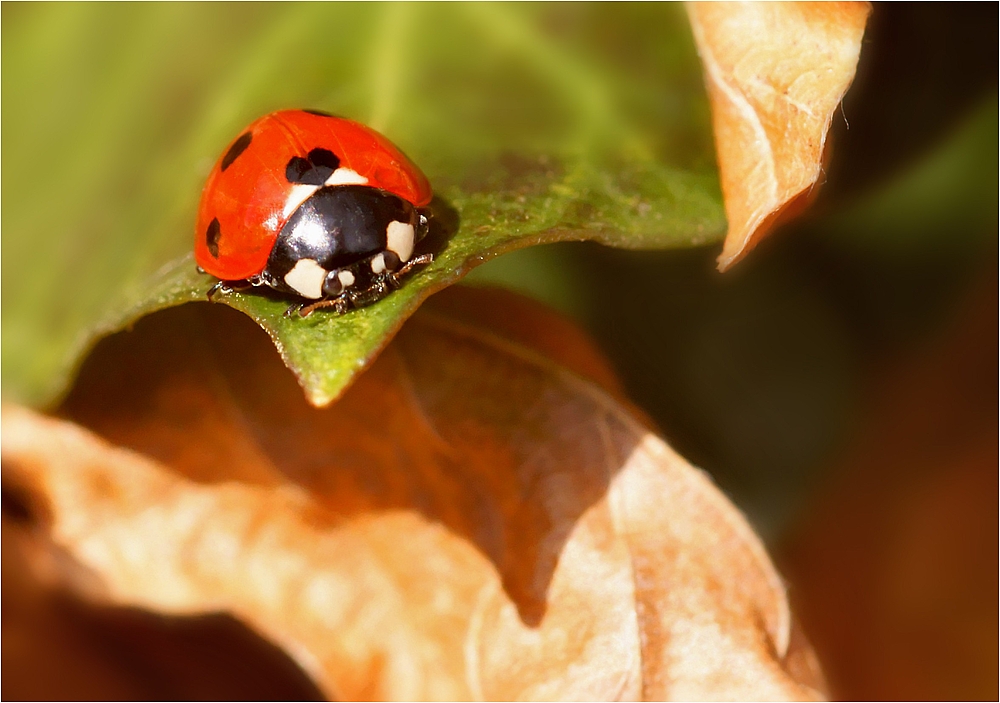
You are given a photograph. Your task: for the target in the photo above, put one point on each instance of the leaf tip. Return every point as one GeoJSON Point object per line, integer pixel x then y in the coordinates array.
{"type": "Point", "coordinates": [775, 75]}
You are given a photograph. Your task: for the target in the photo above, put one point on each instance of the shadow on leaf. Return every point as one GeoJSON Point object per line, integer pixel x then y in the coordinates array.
{"type": "Point", "coordinates": [453, 422]}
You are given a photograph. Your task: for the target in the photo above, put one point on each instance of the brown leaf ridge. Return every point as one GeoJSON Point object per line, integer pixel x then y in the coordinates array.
{"type": "Point", "coordinates": [472, 520]}
{"type": "Point", "coordinates": [776, 73]}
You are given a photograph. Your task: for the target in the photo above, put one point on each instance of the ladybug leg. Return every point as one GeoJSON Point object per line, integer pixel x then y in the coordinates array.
{"type": "Point", "coordinates": [227, 287]}
{"type": "Point", "coordinates": [391, 280]}
{"type": "Point", "coordinates": [386, 282]}
{"type": "Point", "coordinates": [340, 304]}
{"type": "Point", "coordinates": [380, 286]}
{"type": "Point", "coordinates": [421, 260]}
{"type": "Point", "coordinates": [215, 290]}
{"type": "Point", "coordinates": [293, 308]}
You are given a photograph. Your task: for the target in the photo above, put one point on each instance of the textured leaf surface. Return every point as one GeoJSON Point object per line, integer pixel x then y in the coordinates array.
{"type": "Point", "coordinates": [472, 520]}
{"type": "Point", "coordinates": [776, 73]}
{"type": "Point", "coordinates": [534, 123]}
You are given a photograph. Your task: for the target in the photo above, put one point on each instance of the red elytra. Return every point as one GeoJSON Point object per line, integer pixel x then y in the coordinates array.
{"type": "Point", "coordinates": [247, 191]}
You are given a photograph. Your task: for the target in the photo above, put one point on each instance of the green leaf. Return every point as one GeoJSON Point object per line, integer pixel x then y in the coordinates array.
{"type": "Point", "coordinates": [535, 123]}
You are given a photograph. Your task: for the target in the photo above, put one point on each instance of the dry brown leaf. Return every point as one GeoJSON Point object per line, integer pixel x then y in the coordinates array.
{"type": "Point", "coordinates": [776, 73]}
{"type": "Point", "coordinates": [44, 656]}
{"type": "Point", "coordinates": [470, 521]}
{"type": "Point", "coordinates": [58, 646]}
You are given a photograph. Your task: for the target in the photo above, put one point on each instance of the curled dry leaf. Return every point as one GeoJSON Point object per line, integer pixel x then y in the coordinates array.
{"type": "Point", "coordinates": [776, 73]}
{"type": "Point", "coordinates": [472, 520]}
{"type": "Point", "coordinates": [59, 646]}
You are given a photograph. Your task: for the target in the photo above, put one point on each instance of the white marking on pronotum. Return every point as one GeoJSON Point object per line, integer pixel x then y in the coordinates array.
{"type": "Point", "coordinates": [346, 177]}
{"type": "Point", "coordinates": [399, 239]}
{"type": "Point", "coordinates": [378, 263]}
{"type": "Point", "coordinates": [300, 193]}
{"type": "Point", "coordinates": [306, 278]}
{"type": "Point", "coordinates": [346, 279]}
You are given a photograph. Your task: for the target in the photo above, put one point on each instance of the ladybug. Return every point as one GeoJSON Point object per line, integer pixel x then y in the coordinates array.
{"type": "Point", "coordinates": [314, 206]}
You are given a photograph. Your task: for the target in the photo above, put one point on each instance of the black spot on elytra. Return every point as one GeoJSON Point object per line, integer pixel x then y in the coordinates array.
{"type": "Point", "coordinates": [238, 147]}
{"type": "Point", "coordinates": [212, 235]}
{"type": "Point", "coordinates": [313, 170]}
{"type": "Point", "coordinates": [324, 157]}
{"type": "Point", "coordinates": [321, 113]}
